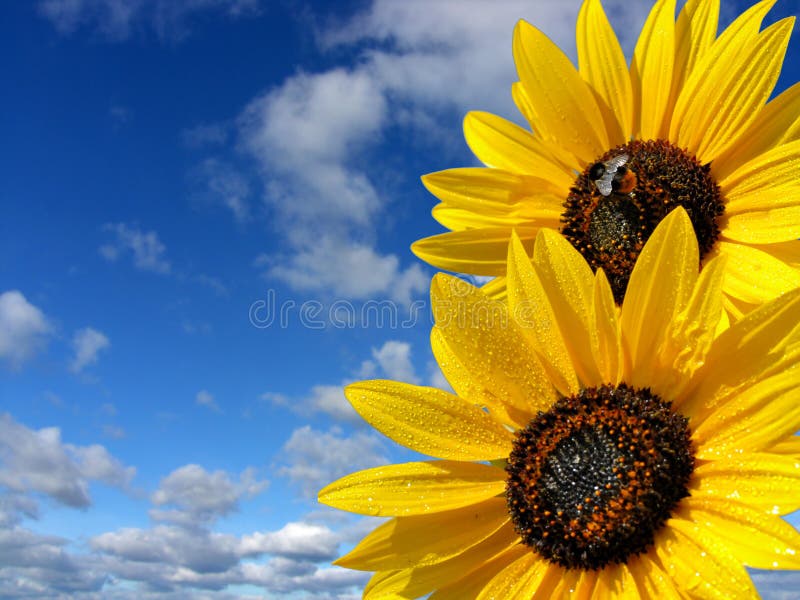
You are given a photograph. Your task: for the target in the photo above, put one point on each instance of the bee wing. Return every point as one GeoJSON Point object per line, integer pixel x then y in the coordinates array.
{"type": "Point", "coordinates": [615, 163]}
{"type": "Point", "coordinates": [604, 183]}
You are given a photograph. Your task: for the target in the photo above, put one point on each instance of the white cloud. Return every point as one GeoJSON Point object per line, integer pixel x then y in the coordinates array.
{"type": "Point", "coordinates": [224, 185]}
{"type": "Point", "coordinates": [294, 540]}
{"type": "Point", "coordinates": [206, 398]}
{"type": "Point", "coordinates": [313, 459]}
{"type": "Point", "coordinates": [116, 19]}
{"type": "Point", "coordinates": [147, 250]}
{"type": "Point", "coordinates": [394, 359]}
{"type": "Point", "coordinates": [350, 270]}
{"type": "Point", "coordinates": [87, 343]}
{"type": "Point", "coordinates": [23, 328]}
{"type": "Point", "coordinates": [38, 461]}
{"type": "Point", "coordinates": [200, 496]}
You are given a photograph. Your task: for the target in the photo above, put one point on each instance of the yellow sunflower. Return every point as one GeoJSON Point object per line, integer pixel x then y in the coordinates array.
{"type": "Point", "coordinates": [590, 452]}
{"type": "Point", "coordinates": [614, 148]}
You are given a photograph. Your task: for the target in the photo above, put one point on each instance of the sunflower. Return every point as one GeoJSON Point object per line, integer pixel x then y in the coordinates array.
{"type": "Point", "coordinates": [590, 451]}
{"type": "Point", "coordinates": [614, 148]}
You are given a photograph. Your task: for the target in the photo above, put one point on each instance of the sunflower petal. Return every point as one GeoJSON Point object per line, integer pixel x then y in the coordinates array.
{"type": "Point", "coordinates": [471, 585]}
{"type": "Point", "coordinates": [564, 104]}
{"type": "Point", "coordinates": [603, 316]}
{"type": "Point", "coordinates": [651, 71]}
{"type": "Point", "coordinates": [763, 343]}
{"type": "Point", "coordinates": [602, 64]}
{"type": "Point", "coordinates": [430, 421]}
{"type": "Point", "coordinates": [568, 282]}
{"type": "Point", "coordinates": [765, 226]}
{"type": "Point", "coordinates": [540, 210]}
{"type": "Point", "coordinates": [753, 419]}
{"type": "Point", "coordinates": [754, 276]}
{"type": "Point", "coordinates": [731, 90]}
{"type": "Point", "coordinates": [660, 287]}
{"type": "Point", "coordinates": [650, 580]}
{"type": "Point", "coordinates": [520, 579]}
{"type": "Point", "coordinates": [690, 334]}
{"type": "Point", "coordinates": [396, 543]}
{"type": "Point", "coordinates": [757, 539]}
{"type": "Point", "coordinates": [616, 582]}
{"type": "Point", "coordinates": [768, 482]}
{"type": "Point", "coordinates": [504, 145]}
{"type": "Point", "coordinates": [749, 186]}
{"type": "Point", "coordinates": [530, 307]}
{"type": "Point", "coordinates": [471, 324]}
{"type": "Point", "coordinates": [695, 32]}
{"type": "Point", "coordinates": [414, 488]}
{"type": "Point", "coordinates": [418, 581]}
{"type": "Point", "coordinates": [467, 386]}
{"type": "Point", "coordinates": [487, 191]}
{"type": "Point", "coordinates": [790, 446]}
{"type": "Point", "coordinates": [704, 566]}
{"type": "Point", "coordinates": [777, 123]}
{"type": "Point", "coordinates": [478, 251]}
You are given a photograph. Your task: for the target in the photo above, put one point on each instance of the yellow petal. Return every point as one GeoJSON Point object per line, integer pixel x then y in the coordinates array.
{"type": "Point", "coordinates": [754, 276]}
{"type": "Point", "coordinates": [731, 90]}
{"type": "Point", "coordinates": [458, 219]}
{"type": "Point", "coordinates": [757, 539]}
{"type": "Point", "coordinates": [520, 579]}
{"type": "Point", "coordinates": [790, 446]}
{"type": "Point", "coordinates": [762, 344]}
{"type": "Point", "coordinates": [418, 581]}
{"type": "Point", "coordinates": [768, 482]}
{"type": "Point", "coordinates": [604, 318]}
{"type": "Point", "coordinates": [415, 488]}
{"type": "Point", "coordinates": [695, 32]}
{"type": "Point", "coordinates": [753, 419]}
{"type": "Point", "coordinates": [660, 287]}
{"type": "Point", "coordinates": [602, 64]}
{"type": "Point", "coordinates": [651, 581]}
{"type": "Point", "coordinates": [430, 421]}
{"type": "Point", "coordinates": [749, 186]}
{"type": "Point", "coordinates": [504, 145]}
{"type": "Point", "coordinates": [531, 309]}
{"type": "Point", "coordinates": [575, 584]}
{"type": "Point", "coordinates": [490, 191]}
{"type": "Point", "coordinates": [616, 582]}
{"type": "Point", "coordinates": [564, 104]}
{"type": "Point", "coordinates": [786, 252]}
{"type": "Point", "coordinates": [467, 386]}
{"type": "Point", "coordinates": [776, 124]}
{"type": "Point", "coordinates": [408, 541]}
{"type": "Point", "coordinates": [765, 226]}
{"type": "Point", "coordinates": [473, 582]}
{"type": "Point", "coordinates": [651, 71]}
{"type": "Point", "coordinates": [690, 334]}
{"type": "Point", "coordinates": [567, 279]}
{"type": "Point", "coordinates": [477, 251]}
{"type": "Point", "coordinates": [486, 340]}
{"type": "Point", "coordinates": [702, 566]}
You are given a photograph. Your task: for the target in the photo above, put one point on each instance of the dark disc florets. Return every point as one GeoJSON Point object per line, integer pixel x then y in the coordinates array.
{"type": "Point", "coordinates": [592, 480]}
{"type": "Point", "coordinates": [616, 203]}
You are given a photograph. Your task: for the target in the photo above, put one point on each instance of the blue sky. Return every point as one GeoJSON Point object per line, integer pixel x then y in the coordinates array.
{"type": "Point", "coordinates": [199, 197]}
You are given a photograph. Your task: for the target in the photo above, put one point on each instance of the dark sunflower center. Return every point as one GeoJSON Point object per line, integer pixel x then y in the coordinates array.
{"type": "Point", "coordinates": [592, 480]}
{"type": "Point", "coordinates": [616, 203]}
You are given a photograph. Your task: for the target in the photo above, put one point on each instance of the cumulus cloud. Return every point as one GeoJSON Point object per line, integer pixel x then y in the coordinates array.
{"type": "Point", "coordinates": [201, 497]}
{"type": "Point", "coordinates": [24, 329]}
{"type": "Point", "coordinates": [38, 461]}
{"type": "Point", "coordinates": [87, 344]}
{"type": "Point", "coordinates": [146, 249]}
{"type": "Point", "coordinates": [117, 19]}
{"type": "Point", "coordinates": [392, 361]}
{"type": "Point", "coordinates": [311, 459]}
{"type": "Point", "coordinates": [297, 540]}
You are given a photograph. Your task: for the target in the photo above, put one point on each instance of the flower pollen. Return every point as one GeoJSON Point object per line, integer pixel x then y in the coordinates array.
{"type": "Point", "coordinates": [616, 203]}
{"type": "Point", "coordinates": [592, 480]}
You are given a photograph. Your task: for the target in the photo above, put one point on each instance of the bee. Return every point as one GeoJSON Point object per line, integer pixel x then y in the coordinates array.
{"type": "Point", "coordinates": [613, 176]}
